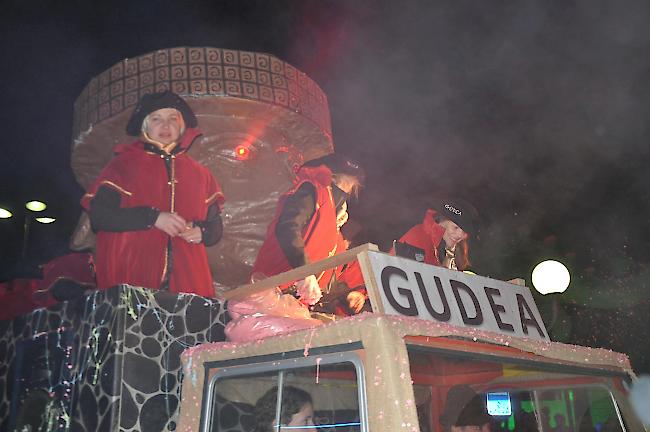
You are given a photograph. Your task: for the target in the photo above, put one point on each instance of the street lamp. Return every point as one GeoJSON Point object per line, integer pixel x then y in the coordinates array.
{"type": "Point", "coordinates": [35, 207]}
{"type": "Point", "coordinates": [551, 277]}
{"type": "Point", "coordinates": [9, 220]}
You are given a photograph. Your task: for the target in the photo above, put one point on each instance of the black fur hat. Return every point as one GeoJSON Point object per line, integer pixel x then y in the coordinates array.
{"type": "Point", "coordinates": [154, 101]}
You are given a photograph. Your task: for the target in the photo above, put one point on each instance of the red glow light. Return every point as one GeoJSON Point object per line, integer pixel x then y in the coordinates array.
{"type": "Point", "coordinates": [242, 152]}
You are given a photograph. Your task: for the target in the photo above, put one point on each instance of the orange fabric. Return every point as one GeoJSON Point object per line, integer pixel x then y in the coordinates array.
{"type": "Point", "coordinates": [352, 275]}
{"type": "Point", "coordinates": [320, 236]}
{"type": "Point", "coordinates": [140, 257]}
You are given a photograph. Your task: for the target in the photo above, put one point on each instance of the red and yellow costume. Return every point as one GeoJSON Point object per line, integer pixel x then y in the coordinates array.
{"type": "Point", "coordinates": [168, 183]}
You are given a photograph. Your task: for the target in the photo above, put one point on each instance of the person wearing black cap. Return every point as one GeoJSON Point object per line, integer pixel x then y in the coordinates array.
{"type": "Point", "coordinates": [153, 207]}
{"type": "Point", "coordinates": [307, 223]}
{"type": "Point", "coordinates": [444, 233]}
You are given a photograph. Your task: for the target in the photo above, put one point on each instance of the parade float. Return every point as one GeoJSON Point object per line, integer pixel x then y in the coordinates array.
{"type": "Point", "coordinates": [431, 331]}
{"type": "Point", "coordinates": [132, 359]}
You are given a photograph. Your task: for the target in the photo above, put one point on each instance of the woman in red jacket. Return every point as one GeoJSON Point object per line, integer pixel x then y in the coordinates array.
{"type": "Point", "coordinates": [444, 232]}
{"type": "Point", "coordinates": [442, 235]}
{"type": "Point", "coordinates": [307, 222]}
{"type": "Point", "coordinates": [154, 208]}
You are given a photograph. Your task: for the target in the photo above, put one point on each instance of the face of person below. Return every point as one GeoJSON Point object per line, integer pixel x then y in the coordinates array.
{"type": "Point", "coordinates": [344, 182]}
{"type": "Point", "coordinates": [303, 420]}
{"type": "Point", "coordinates": [453, 233]}
{"type": "Point", "coordinates": [165, 125]}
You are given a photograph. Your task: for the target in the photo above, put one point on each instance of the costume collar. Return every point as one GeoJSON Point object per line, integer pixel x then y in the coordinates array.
{"type": "Point", "coordinates": [159, 146]}
{"type": "Point", "coordinates": [430, 226]}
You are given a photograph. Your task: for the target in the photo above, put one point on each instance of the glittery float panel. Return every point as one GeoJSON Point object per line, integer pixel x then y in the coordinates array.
{"type": "Point", "coordinates": [386, 361]}
{"type": "Point", "coordinates": [112, 359]}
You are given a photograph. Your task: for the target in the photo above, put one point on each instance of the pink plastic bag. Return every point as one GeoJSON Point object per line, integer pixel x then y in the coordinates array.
{"type": "Point", "coordinates": [265, 314]}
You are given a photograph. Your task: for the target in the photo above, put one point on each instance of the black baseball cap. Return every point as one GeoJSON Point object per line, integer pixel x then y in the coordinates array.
{"type": "Point", "coordinates": [459, 211]}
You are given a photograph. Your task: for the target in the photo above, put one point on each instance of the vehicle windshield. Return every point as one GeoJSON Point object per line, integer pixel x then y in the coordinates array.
{"type": "Point", "coordinates": [286, 396]}
{"type": "Point", "coordinates": [462, 394]}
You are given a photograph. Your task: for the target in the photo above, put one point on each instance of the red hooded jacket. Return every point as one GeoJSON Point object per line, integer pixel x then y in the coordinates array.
{"type": "Point", "coordinates": [426, 236]}
{"type": "Point", "coordinates": [140, 257]}
{"type": "Point", "coordinates": [320, 236]}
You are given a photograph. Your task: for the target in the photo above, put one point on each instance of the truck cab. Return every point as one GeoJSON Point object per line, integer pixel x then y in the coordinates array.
{"type": "Point", "coordinates": [414, 364]}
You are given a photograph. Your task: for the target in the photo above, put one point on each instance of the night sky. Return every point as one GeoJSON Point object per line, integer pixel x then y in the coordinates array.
{"type": "Point", "coordinates": [534, 111]}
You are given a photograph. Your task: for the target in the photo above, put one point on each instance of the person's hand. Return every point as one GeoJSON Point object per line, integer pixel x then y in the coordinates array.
{"type": "Point", "coordinates": [356, 300]}
{"type": "Point", "coordinates": [192, 234]}
{"type": "Point", "coordinates": [342, 216]}
{"type": "Point", "coordinates": [170, 223]}
{"type": "Point", "coordinates": [308, 290]}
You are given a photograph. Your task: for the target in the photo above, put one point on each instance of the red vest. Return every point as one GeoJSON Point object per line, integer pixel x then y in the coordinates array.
{"type": "Point", "coordinates": [321, 236]}
{"type": "Point", "coordinates": [427, 236]}
{"type": "Point", "coordinates": [140, 257]}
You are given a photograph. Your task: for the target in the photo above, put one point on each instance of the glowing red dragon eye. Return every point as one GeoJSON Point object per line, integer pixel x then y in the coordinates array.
{"type": "Point", "coordinates": [242, 152]}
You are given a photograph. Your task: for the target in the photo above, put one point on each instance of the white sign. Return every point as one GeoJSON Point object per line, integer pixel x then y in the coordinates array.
{"type": "Point", "coordinates": [411, 288]}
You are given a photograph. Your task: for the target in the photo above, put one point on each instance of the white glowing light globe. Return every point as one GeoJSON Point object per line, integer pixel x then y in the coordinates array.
{"type": "Point", "coordinates": [5, 214]}
{"type": "Point", "coordinates": [551, 277]}
{"type": "Point", "coordinates": [36, 206]}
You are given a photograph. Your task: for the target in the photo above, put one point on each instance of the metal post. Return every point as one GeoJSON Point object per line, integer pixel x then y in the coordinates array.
{"type": "Point", "coordinates": [26, 227]}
